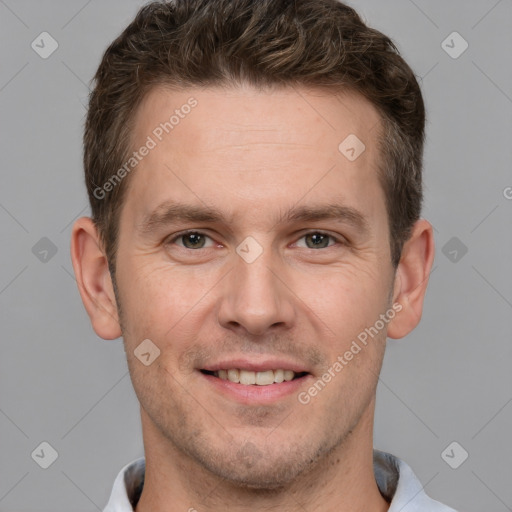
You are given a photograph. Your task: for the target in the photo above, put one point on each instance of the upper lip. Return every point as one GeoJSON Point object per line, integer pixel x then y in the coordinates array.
{"type": "Point", "coordinates": [256, 366]}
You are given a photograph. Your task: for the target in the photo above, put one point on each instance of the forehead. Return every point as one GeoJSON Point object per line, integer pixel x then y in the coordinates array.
{"type": "Point", "coordinates": [263, 146]}
{"type": "Point", "coordinates": [288, 115]}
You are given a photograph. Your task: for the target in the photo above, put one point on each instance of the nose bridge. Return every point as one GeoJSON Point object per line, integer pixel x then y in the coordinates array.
{"type": "Point", "coordinates": [255, 297]}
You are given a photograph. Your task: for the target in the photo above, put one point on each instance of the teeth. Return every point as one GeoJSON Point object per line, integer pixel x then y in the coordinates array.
{"type": "Point", "coordinates": [288, 375]}
{"type": "Point", "coordinates": [278, 376]}
{"type": "Point", "coordinates": [248, 378]}
{"type": "Point", "coordinates": [264, 378]}
{"type": "Point", "coordinates": [234, 375]}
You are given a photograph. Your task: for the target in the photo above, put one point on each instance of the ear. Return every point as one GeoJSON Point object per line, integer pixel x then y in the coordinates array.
{"type": "Point", "coordinates": [411, 279]}
{"type": "Point", "coordinates": [93, 279]}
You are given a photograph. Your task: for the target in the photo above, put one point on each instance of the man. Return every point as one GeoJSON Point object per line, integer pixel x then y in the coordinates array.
{"type": "Point", "coordinates": [254, 173]}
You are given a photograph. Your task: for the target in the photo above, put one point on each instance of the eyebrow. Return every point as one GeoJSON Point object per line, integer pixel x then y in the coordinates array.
{"type": "Point", "coordinates": [171, 212]}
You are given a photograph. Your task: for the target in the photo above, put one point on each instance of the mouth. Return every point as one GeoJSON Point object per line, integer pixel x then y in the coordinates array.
{"type": "Point", "coordinates": [255, 381]}
{"type": "Point", "coordinates": [255, 378]}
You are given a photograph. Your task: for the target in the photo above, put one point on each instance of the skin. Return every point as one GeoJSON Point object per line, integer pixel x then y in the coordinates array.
{"type": "Point", "coordinates": [253, 155]}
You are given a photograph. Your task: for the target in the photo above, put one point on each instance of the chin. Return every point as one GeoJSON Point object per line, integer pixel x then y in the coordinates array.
{"type": "Point", "coordinates": [270, 470]}
{"type": "Point", "coordinates": [262, 478]}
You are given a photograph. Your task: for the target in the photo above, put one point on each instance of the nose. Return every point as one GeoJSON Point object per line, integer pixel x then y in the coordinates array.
{"type": "Point", "coordinates": [256, 296]}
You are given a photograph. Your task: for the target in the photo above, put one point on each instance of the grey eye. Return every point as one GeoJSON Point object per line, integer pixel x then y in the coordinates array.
{"type": "Point", "coordinates": [318, 240]}
{"type": "Point", "coordinates": [193, 240]}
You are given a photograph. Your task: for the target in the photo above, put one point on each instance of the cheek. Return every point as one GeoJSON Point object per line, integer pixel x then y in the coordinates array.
{"type": "Point", "coordinates": [163, 302]}
{"type": "Point", "coordinates": [346, 299]}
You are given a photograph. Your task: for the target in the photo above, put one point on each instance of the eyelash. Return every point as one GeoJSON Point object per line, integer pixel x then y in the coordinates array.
{"type": "Point", "coordinates": [339, 241]}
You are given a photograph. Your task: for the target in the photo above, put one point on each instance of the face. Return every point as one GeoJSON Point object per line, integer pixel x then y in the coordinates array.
{"type": "Point", "coordinates": [251, 247]}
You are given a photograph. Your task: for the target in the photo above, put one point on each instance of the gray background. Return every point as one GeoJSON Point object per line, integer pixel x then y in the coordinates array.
{"type": "Point", "coordinates": [448, 381]}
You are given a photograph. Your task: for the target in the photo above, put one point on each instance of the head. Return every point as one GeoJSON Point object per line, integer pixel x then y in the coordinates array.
{"type": "Point", "coordinates": [287, 138]}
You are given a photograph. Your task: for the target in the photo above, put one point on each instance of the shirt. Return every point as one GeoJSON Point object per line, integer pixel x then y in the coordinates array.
{"type": "Point", "coordinates": [395, 480]}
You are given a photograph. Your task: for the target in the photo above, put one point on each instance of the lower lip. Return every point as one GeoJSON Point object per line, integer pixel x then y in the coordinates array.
{"type": "Point", "coordinates": [253, 394]}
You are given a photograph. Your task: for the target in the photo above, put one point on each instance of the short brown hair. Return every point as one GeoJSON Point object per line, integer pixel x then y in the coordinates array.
{"type": "Point", "coordinates": [264, 43]}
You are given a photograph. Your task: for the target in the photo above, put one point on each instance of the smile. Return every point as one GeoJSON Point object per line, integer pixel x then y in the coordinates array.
{"type": "Point", "coordinates": [261, 378]}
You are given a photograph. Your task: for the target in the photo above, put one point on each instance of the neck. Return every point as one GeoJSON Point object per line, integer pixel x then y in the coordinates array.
{"type": "Point", "coordinates": [342, 481]}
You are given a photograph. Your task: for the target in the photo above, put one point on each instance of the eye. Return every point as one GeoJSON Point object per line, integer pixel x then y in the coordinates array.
{"type": "Point", "coordinates": [198, 240]}
{"type": "Point", "coordinates": [319, 240]}
{"type": "Point", "coordinates": [191, 240]}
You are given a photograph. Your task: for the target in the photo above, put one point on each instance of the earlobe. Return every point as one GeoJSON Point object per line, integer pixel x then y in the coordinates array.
{"type": "Point", "coordinates": [93, 279]}
{"type": "Point", "coordinates": [411, 279]}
